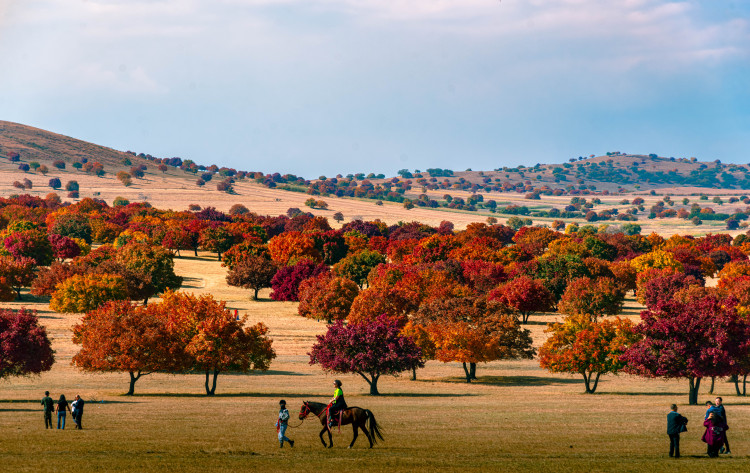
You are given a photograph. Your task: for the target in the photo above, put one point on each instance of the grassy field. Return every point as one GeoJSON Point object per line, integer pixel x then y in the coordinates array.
{"type": "Point", "coordinates": [516, 418]}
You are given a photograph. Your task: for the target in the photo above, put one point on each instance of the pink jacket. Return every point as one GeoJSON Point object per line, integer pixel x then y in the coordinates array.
{"type": "Point", "coordinates": [714, 434]}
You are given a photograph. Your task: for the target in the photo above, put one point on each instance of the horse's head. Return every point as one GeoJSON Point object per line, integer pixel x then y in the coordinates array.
{"type": "Point", "coordinates": [304, 411]}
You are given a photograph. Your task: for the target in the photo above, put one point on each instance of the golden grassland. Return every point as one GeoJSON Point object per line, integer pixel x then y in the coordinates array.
{"type": "Point", "coordinates": [517, 417]}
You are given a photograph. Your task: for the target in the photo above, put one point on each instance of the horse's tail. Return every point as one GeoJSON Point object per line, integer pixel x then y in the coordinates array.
{"type": "Point", "coordinates": [373, 427]}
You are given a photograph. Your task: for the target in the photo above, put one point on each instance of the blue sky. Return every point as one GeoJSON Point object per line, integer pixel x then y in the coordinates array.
{"type": "Point", "coordinates": [325, 86]}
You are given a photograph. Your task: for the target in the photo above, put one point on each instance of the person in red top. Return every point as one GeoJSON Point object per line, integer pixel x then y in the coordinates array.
{"type": "Point", "coordinates": [715, 434]}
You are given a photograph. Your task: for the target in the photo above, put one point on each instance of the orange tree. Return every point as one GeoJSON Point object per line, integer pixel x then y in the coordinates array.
{"type": "Point", "coordinates": [213, 340]}
{"type": "Point", "coordinates": [82, 293]}
{"type": "Point", "coordinates": [592, 297]}
{"type": "Point", "coordinates": [119, 336]}
{"type": "Point", "coordinates": [17, 273]}
{"type": "Point", "coordinates": [326, 297]}
{"type": "Point", "coordinates": [292, 247]}
{"type": "Point", "coordinates": [589, 348]}
{"type": "Point", "coordinates": [472, 330]}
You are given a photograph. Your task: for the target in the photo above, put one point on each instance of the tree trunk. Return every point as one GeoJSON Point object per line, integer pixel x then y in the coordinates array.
{"type": "Point", "coordinates": [473, 370]}
{"type": "Point", "coordinates": [695, 384]}
{"type": "Point", "coordinates": [413, 373]}
{"type": "Point", "coordinates": [195, 248]}
{"type": "Point", "coordinates": [18, 293]}
{"type": "Point", "coordinates": [212, 390]}
{"type": "Point", "coordinates": [467, 373]}
{"type": "Point", "coordinates": [713, 382]}
{"type": "Point", "coordinates": [133, 379]}
{"type": "Point", "coordinates": [255, 294]}
{"type": "Point", "coordinates": [372, 381]}
{"type": "Point", "coordinates": [145, 301]}
{"type": "Point", "coordinates": [219, 255]}
{"type": "Point", "coordinates": [736, 381]}
{"type": "Point", "coordinates": [525, 317]}
{"type": "Point", "coordinates": [744, 385]}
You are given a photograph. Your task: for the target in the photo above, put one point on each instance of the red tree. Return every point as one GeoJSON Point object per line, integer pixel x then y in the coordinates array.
{"type": "Point", "coordinates": [691, 339]}
{"type": "Point", "coordinates": [525, 295]}
{"type": "Point", "coordinates": [369, 349]}
{"type": "Point", "coordinates": [24, 346]}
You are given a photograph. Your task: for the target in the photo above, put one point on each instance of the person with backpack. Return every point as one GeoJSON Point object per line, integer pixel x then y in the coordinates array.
{"type": "Point", "coordinates": [49, 407]}
{"type": "Point", "coordinates": [675, 425]}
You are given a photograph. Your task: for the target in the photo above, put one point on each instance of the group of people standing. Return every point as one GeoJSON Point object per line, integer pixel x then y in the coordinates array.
{"type": "Point", "coordinates": [62, 407]}
{"type": "Point", "coordinates": [715, 435]}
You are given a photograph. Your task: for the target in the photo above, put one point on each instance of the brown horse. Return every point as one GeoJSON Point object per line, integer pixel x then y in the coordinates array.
{"type": "Point", "coordinates": [358, 417]}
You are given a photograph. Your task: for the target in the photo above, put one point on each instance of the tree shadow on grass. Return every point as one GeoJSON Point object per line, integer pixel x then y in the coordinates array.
{"type": "Point", "coordinates": [192, 283]}
{"type": "Point", "coordinates": [229, 395]}
{"type": "Point", "coordinates": [511, 380]}
{"type": "Point", "coordinates": [427, 395]}
{"type": "Point", "coordinates": [20, 410]}
{"type": "Point", "coordinates": [641, 393]}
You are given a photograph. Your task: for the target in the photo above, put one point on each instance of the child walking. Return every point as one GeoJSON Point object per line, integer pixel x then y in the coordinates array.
{"type": "Point", "coordinates": [282, 424]}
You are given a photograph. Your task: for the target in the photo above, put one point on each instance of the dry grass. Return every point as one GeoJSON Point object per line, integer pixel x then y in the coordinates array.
{"type": "Point", "coordinates": [516, 418]}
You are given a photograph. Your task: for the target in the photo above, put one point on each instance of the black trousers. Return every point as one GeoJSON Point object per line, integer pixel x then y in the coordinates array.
{"type": "Point", "coordinates": [674, 445]}
{"type": "Point", "coordinates": [48, 420]}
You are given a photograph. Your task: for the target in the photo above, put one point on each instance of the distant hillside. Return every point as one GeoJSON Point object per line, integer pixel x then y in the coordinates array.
{"type": "Point", "coordinates": [34, 144]}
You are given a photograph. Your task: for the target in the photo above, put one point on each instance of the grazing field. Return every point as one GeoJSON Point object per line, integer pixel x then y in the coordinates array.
{"type": "Point", "coordinates": [517, 417]}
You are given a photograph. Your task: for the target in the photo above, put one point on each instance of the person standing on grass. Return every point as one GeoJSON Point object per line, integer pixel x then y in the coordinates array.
{"type": "Point", "coordinates": [78, 411]}
{"type": "Point", "coordinates": [282, 423]}
{"type": "Point", "coordinates": [719, 410]}
{"type": "Point", "coordinates": [675, 424]}
{"type": "Point", "coordinates": [715, 434]}
{"type": "Point", "coordinates": [62, 407]}
{"type": "Point", "coordinates": [49, 407]}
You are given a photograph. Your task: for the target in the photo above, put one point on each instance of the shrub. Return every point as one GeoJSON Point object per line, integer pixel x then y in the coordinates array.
{"type": "Point", "coordinates": [59, 164]}
{"type": "Point", "coordinates": [55, 183]}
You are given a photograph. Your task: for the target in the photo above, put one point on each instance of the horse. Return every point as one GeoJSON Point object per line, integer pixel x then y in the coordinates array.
{"type": "Point", "coordinates": [358, 417]}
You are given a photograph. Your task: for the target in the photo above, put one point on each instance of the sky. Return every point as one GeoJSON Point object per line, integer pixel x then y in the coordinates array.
{"type": "Point", "coordinates": [320, 87]}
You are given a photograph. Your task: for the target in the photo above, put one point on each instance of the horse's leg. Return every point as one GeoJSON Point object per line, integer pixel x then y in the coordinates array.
{"type": "Point", "coordinates": [356, 433]}
{"type": "Point", "coordinates": [330, 437]}
{"type": "Point", "coordinates": [321, 436]}
{"type": "Point", "coordinates": [363, 426]}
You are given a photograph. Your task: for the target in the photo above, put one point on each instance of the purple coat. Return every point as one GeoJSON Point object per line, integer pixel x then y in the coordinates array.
{"type": "Point", "coordinates": [715, 435]}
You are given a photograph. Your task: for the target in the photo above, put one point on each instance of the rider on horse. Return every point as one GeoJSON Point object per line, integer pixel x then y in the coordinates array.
{"type": "Point", "coordinates": [336, 405]}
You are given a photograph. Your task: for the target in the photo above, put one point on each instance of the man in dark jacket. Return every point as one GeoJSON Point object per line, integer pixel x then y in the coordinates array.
{"type": "Point", "coordinates": [78, 411]}
{"type": "Point", "coordinates": [675, 423]}
{"type": "Point", "coordinates": [49, 407]}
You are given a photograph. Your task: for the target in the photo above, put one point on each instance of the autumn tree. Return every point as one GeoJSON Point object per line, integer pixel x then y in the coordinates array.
{"type": "Point", "coordinates": [524, 295]}
{"type": "Point", "coordinates": [150, 269]}
{"type": "Point", "coordinates": [30, 243]}
{"type": "Point", "coordinates": [285, 283]}
{"type": "Point", "coordinates": [213, 339]}
{"type": "Point", "coordinates": [356, 267]}
{"type": "Point", "coordinates": [87, 292]}
{"type": "Point", "coordinates": [63, 247]}
{"type": "Point", "coordinates": [119, 336]}
{"type": "Point", "coordinates": [326, 297]}
{"type": "Point", "coordinates": [592, 297]}
{"type": "Point", "coordinates": [254, 273]}
{"type": "Point", "coordinates": [371, 350]}
{"type": "Point", "coordinates": [292, 247]}
{"type": "Point", "coordinates": [589, 348]}
{"type": "Point", "coordinates": [689, 339]}
{"type": "Point", "coordinates": [72, 225]}
{"type": "Point", "coordinates": [17, 272]}
{"type": "Point", "coordinates": [25, 348]}
{"type": "Point", "coordinates": [472, 331]}
{"type": "Point", "coordinates": [217, 239]}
